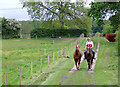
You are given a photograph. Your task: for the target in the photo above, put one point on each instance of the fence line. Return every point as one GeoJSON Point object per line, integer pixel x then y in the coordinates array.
{"type": "Point", "coordinates": [57, 52]}
{"type": "Point", "coordinates": [26, 64]}
{"type": "Point", "coordinates": [13, 79]}
{"type": "Point", "coordinates": [12, 71]}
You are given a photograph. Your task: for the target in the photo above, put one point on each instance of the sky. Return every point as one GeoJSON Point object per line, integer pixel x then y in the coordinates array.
{"type": "Point", "coordinates": [13, 9]}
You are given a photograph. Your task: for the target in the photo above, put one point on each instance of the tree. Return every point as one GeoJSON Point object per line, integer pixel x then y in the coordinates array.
{"type": "Point", "coordinates": [100, 10]}
{"type": "Point", "coordinates": [107, 29]}
{"type": "Point", "coordinates": [10, 28]}
{"type": "Point", "coordinates": [95, 27]}
{"type": "Point", "coordinates": [51, 11]}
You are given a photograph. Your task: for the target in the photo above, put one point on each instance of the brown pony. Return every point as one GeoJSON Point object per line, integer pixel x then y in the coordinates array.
{"type": "Point", "coordinates": [77, 56]}
{"type": "Point", "coordinates": [89, 57]}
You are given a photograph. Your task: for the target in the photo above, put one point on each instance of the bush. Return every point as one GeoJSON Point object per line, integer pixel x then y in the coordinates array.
{"type": "Point", "coordinates": [111, 37]}
{"type": "Point", "coordinates": [42, 32]}
{"type": "Point", "coordinates": [10, 28]}
{"type": "Point", "coordinates": [107, 29]}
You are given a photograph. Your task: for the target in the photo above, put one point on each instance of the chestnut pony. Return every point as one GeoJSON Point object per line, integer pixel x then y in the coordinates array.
{"type": "Point", "coordinates": [89, 57]}
{"type": "Point", "coordinates": [77, 56]}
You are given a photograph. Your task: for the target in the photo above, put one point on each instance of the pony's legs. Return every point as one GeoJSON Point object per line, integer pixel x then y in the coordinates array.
{"type": "Point", "coordinates": [76, 64]}
{"type": "Point", "coordinates": [89, 64]}
{"type": "Point", "coordinates": [92, 61]}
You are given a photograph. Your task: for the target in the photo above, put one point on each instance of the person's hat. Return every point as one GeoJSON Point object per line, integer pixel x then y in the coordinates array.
{"type": "Point", "coordinates": [88, 38]}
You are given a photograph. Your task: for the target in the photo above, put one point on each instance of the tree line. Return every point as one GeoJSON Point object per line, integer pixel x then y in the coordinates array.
{"type": "Point", "coordinates": [66, 15]}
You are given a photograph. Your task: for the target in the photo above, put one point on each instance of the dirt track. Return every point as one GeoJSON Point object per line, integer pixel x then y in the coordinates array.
{"type": "Point", "coordinates": [90, 72]}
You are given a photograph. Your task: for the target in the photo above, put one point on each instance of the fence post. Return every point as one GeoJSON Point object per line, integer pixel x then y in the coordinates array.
{"type": "Point", "coordinates": [61, 53]}
{"type": "Point", "coordinates": [48, 60]}
{"type": "Point", "coordinates": [65, 52]}
{"type": "Point", "coordinates": [53, 57]}
{"type": "Point", "coordinates": [31, 70]}
{"type": "Point", "coordinates": [45, 52]}
{"type": "Point", "coordinates": [6, 53]}
{"type": "Point", "coordinates": [53, 41]}
{"type": "Point", "coordinates": [41, 66]}
{"type": "Point", "coordinates": [5, 79]}
{"type": "Point", "coordinates": [20, 77]}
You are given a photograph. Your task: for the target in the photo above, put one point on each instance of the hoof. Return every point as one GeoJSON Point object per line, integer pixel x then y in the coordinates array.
{"type": "Point", "coordinates": [89, 70]}
{"type": "Point", "coordinates": [77, 68]}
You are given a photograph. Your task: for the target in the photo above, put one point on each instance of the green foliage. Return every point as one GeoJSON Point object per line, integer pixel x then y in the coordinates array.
{"type": "Point", "coordinates": [42, 32]}
{"type": "Point", "coordinates": [107, 29]}
{"type": "Point", "coordinates": [27, 26]}
{"type": "Point", "coordinates": [99, 11]}
{"type": "Point", "coordinates": [95, 27]}
{"type": "Point", "coordinates": [83, 23]}
{"type": "Point", "coordinates": [118, 34]}
{"type": "Point", "coordinates": [117, 38]}
{"type": "Point", "coordinates": [79, 23]}
{"type": "Point", "coordinates": [10, 28]}
{"type": "Point", "coordinates": [51, 11]}
{"type": "Point", "coordinates": [97, 32]}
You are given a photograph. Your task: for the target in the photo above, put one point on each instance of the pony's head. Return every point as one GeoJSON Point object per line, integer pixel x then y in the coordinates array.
{"type": "Point", "coordinates": [88, 48]}
{"type": "Point", "coordinates": [77, 48]}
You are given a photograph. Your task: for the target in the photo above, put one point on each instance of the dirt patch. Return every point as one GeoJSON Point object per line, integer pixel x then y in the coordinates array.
{"type": "Point", "coordinates": [62, 79]}
{"type": "Point", "coordinates": [41, 78]}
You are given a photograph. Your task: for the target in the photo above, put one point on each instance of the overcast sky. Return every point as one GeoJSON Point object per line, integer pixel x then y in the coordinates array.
{"type": "Point", "coordinates": [13, 9]}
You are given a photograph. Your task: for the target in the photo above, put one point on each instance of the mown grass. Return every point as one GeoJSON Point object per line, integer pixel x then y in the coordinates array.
{"type": "Point", "coordinates": [57, 70]}
{"type": "Point", "coordinates": [106, 69]}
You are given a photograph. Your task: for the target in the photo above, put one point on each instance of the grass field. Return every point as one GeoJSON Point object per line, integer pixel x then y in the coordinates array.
{"type": "Point", "coordinates": [106, 69]}
{"type": "Point", "coordinates": [21, 52]}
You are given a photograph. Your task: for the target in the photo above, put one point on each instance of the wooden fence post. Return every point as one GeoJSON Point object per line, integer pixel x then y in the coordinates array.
{"type": "Point", "coordinates": [53, 41]}
{"type": "Point", "coordinates": [61, 53]}
{"type": "Point", "coordinates": [65, 52]}
{"type": "Point", "coordinates": [53, 57]}
{"type": "Point", "coordinates": [20, 77]}
{"type": "Point", "coordinates": [41, 66]}
{"type": "Point", "coordinates": [48, 60]}
{"type": "Point", "coordinates": [5, 79]}
{"type": "Point", "coordinates": [6, 53]}
{"type": "Point", "coordinates": [31, 70]}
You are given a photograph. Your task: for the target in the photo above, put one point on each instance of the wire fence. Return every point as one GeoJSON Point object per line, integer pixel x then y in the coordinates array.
{"type": "Point", "coordinates": [34, 64]}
